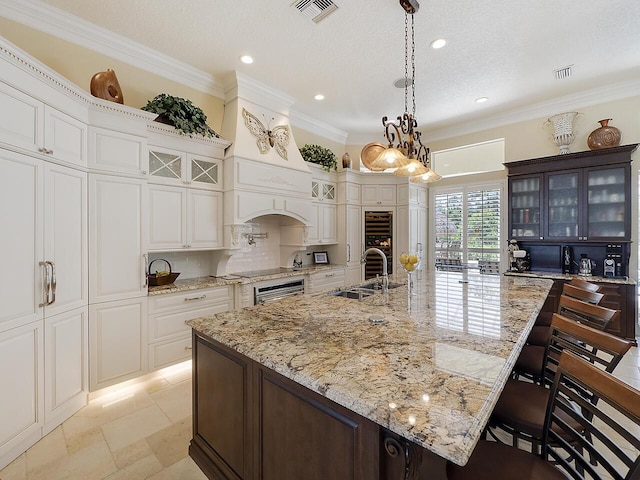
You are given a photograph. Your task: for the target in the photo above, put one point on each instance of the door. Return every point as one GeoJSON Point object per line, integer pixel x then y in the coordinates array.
{"type": "Point", "coordinates": [564, 208]}
{"type": "Point", "coordinates": [21, 355]}
{"type": "Point", "coordinates": [117, 245]}
{"type": "Point", "coordinates": [608, 204]}
{"type": "Point", "coordinates": [67, 363]}
{"type": "Point", "coordinates": [65, 236]}
{"type": "Point", "coordinates": [167, 218]}
{"type": "Point", "coordinates": [204, 219]}
{"type": "Point", "coordinates": [117, 341]}
{"type": "Point", "coordinates": [525, 212]}
{"type": "Point", "coordinates": [21, 287]}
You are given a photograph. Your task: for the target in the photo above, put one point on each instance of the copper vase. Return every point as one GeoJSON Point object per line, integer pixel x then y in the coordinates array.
{"type": "Point", "coordinates": [604, 137]}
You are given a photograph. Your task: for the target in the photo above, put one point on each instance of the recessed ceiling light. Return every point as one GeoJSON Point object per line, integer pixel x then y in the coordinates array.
{"type": "Point", "coordinates": [481, 99]}
{"type": "Point", "coordinates": [246, 59]}
{"type": "Point", "coordinates": [319, 97]}
{"type": "Point", "coordinates": [438, 43]}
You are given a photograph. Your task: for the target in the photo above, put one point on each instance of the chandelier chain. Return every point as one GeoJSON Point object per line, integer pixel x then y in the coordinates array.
{"type": "Point", "coordinates": [406, 60]}
{"type": "Point", "coordinates": [413, 68]}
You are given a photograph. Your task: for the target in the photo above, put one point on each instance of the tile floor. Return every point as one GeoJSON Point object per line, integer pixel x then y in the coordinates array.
{"type": "Point", "coordinates": [143, 432]}
{"type": "Point", "coordinates": [138, 432]}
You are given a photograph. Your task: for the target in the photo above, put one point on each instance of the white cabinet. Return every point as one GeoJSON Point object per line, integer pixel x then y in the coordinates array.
{"type": "Point", "coordinates": [323, 221]}
{"type": "Point", "coordinates": [378, 195]}
{"type": "Point", "coordinates": [116, 152]}
{"type": "Point", "coordinates": [21, 292]}
{"type": "Point", "coordinates": [169, 336]}
{"type": "Point", "coordinates": [49, 227]}
{"type": "Point", "coordinates": [117, 341]}
{"type": "Point", "coordinates": [30, 124]}
{"type": "Point", "coordinates": [65, 236]}
{"type": "Point", "coordinates": [326, 280]}
{"type": "Point", "coordinates": [21, 377]}
{"type": "Point", "coordinates": [418, 230]}
{"type": "Point", "coordinates": [174, 167]}
{"type": "Point", "coordinates": [66, 366]}
{"type": "Point", "coordinates": [117, 238]}
{"type": "Point", "coordinates": [184, 218]}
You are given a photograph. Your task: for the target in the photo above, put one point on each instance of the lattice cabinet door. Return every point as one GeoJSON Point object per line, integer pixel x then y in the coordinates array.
{"type": "Point", "coordinates": [205, 172]}
{"type": "Point", "coordinates": [167, 166]}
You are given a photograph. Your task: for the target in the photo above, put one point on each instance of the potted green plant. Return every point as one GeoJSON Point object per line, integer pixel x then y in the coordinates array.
{"type": "Point", "coordinates": [320, 156]}
{"type": "Point", "coordinates": [181, 113]}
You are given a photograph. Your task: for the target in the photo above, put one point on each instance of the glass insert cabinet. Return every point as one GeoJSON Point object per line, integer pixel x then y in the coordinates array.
{"type": "Point", "coordinates": [582, 197]}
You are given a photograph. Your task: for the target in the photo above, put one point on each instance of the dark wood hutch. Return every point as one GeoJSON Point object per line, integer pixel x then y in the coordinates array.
{"type": "Point", "coordinates": [583, 201]}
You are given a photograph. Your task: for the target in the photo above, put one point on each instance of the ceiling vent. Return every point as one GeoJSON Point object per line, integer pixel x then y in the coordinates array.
{"type": "Point", "coordinates": [315, 10]}
{"type": "Point", "coordinates": [564, 72]}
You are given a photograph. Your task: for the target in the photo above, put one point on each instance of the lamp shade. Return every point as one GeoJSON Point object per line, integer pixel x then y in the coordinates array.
{"type": "Point", "coordinates": [414, 167]}
{"type": "Point", "coordinates": [427, 177]}
{"type": "Point", "coordinates": [390, 158]}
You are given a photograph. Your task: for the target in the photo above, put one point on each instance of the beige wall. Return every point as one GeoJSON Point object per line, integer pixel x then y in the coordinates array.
{"type": "Point", "coordinates": [79, 64]}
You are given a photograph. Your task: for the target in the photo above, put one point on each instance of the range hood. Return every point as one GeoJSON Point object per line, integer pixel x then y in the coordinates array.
{"type": "Point", "coordinates": [258, 181]}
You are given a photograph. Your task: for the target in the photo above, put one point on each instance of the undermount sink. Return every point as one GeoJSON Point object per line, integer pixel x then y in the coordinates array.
{"type": "Point", "coordinates": [363, 291]}
{"type": "Point", "coordinates": [378, 286]}
{"type": "Point", "coordinates": [357, 294]}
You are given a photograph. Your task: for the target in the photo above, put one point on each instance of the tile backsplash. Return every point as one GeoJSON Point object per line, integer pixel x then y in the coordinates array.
{"type": "Point", "coordinates": [189, 264]}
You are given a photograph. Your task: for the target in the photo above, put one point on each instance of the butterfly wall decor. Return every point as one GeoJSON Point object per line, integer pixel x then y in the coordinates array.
{"type": "Point", "coordinates": [277, 138]}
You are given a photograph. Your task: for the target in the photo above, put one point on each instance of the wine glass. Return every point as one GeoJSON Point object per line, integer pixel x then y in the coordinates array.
{"type": "Point", "coordinates": [410, 263]}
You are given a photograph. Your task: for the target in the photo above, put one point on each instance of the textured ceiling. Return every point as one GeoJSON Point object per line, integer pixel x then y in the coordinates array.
{"type": "Point", "coordinates": [505, 50]}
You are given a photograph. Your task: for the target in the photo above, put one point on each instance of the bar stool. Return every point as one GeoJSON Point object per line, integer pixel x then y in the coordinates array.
{"type": "Point", "coordinates": [540, 334]}
{"type": "Point", "coordinates": [521, 408]}
{"type": "Point", "coordinates": [612, 441]}
{"type": "Point", "coordinates": [544, 318]}
{"type": "Point", "coordinates": [531, 359]}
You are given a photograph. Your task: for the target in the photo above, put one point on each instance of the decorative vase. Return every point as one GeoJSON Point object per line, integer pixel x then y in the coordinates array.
{"type": "Point", "coordinates": [346, 160]}
{"type": "Point", "coordinates": [604, 137]}
{"type": "Point", "coordinates": [563, 135]}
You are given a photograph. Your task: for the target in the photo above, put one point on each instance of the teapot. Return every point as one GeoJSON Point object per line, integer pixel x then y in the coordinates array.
{"type": "Point", "coordinates": [586, 265]}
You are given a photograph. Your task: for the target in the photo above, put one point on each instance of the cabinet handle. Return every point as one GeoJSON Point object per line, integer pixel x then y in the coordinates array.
{"type": "Point", "coordinates": [188, 348]}
{"type": "Point", "coordinates": [47, 284]}
{"type": "Point", "coordinates": [54, 283]}
{"type": "Point", "coordinates": [191, 299]}
{"type": "Point", "coordinates": [145, 259]}
{"type": "Point", "coordinates": [348, 252]}
{"type": "Point", "coordinates": [46, 151]}
{"type": "Point", "coordinates": [330, 275]}
{"type": "Point", "coordinates": [143, 172]}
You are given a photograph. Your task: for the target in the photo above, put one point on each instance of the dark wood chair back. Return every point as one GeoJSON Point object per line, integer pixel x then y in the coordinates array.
{"type": "Point", "coordinates": [584, 285]}
{"type": "Point", "coordinates": [593, 315]}
{"type": "Point", "coordinates": [581, 294]}
{"type": "Point", "coordinates": [607, 444]}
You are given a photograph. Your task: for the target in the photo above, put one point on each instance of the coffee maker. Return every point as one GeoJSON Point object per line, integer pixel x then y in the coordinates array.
{"type": "Point", "coordinates": [613, 261]}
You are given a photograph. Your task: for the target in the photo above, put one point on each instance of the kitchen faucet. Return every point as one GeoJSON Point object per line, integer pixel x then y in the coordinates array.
{"type": "Point", "coordinates": [385, 273]}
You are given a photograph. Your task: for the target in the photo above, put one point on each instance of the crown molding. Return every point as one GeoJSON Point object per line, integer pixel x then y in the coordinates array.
{"type": "Point", "coordinates": [60, 24]}
{"type": "Point", "coordinates": [325, 130]}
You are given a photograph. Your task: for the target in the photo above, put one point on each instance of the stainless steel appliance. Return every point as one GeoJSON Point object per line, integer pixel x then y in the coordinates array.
{"type": "Point", "coordinates": [613, 266]}
{"type": "Point", "coordinates": [567, 259]}
{"type": "Point", "coordinates": [378, 233]}
{"type": "Point", "coordinates": [586, 265]}
{"type": "Point", "coordinates": [278, 290]}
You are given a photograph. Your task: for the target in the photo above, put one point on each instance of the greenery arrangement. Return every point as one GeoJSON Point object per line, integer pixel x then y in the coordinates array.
{"type": "Point", "coordinates": [320, 156]}
{"type": "Point", "coordinates": [182, 114]}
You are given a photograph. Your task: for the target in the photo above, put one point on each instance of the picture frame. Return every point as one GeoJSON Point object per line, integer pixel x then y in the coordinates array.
{"type": "Point", "coordinates": [320, 257]}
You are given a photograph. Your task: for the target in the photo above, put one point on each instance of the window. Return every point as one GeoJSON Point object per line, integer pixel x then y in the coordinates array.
{"type": "Point", "coordinates": [467, 224]}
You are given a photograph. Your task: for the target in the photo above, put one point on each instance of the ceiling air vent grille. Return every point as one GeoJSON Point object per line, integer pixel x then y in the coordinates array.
{"type": "Point", "coordinates": [564, 72]}
{"type": "Point", "coordinates": [315, 10]}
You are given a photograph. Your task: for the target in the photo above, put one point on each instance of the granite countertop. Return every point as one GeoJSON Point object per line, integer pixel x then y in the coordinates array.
{"type": "Point", "coordinates": [568, 277]}
{"type": "Point", "coordinates": [183, 285]}
{"type": "Point", "coordinates": [432, 372]}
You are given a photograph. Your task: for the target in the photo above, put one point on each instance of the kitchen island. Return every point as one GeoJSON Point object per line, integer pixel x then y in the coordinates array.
{"type": "Point", "coordinates": [309, 387]}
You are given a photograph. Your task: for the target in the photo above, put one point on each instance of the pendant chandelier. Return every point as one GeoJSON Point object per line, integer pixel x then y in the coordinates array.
{"type": "Point", "coordinates": [405, 151]}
